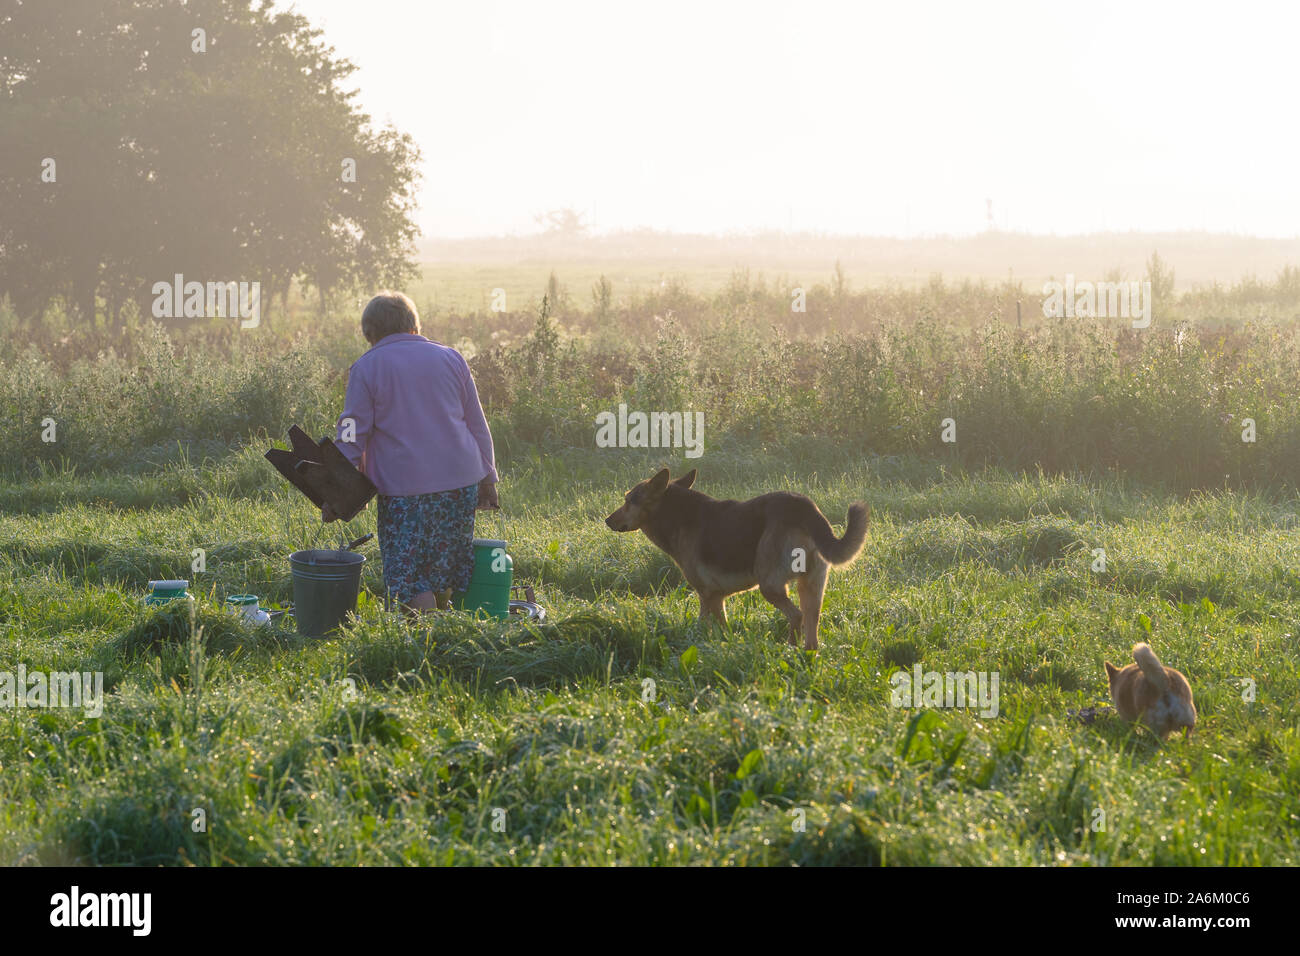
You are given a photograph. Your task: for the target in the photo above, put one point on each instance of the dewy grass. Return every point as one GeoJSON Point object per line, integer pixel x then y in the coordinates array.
{"type": "Point", "coordinates": [926, 371]}
{"type": "Point", "coordinates": [618, 731]}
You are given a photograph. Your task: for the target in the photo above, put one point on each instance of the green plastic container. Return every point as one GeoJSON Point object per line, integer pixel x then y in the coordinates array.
{"type": "Point", "coordinates": [489, 588]}
{"type": "Point", "coordinates": [325, 589]}
{"type": "Point", "coordinates": [164, 592]}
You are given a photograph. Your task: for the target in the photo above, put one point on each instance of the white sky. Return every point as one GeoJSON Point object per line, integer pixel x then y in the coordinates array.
{"type": "Point", "coordinates": [897, 118]}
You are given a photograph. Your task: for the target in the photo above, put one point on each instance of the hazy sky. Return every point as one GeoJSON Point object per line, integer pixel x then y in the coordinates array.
{"type": "Point", "coordinates": [898, 118]}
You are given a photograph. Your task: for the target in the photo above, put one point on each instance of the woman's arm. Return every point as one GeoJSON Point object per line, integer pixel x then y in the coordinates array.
{"type": "Point", "coordinates": [477, 422]}
{"type": "Point", "coordinates": [354, 427]}
{"type": "Point", "coordinates": [357, 420]}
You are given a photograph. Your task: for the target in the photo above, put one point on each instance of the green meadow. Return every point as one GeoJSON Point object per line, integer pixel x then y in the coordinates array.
{"type": "Point", "coordinates": [617, 731]}
{"type": "Point", "coordinates": [1101, 491]}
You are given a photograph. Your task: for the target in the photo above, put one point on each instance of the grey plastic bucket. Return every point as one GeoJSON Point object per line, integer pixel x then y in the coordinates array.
{"type": "Point", "coordinates": [325, 588]}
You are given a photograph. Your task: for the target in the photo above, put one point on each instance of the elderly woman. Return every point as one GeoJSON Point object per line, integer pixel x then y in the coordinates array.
{"type": "Point", "coordinates": [416, 429]}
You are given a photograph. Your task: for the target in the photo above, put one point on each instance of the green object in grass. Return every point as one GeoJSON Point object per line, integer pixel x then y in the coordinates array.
{"type": "Point", "coordinates": [489, 587]}
{"type": "Point", "coordinates": [164, 592]}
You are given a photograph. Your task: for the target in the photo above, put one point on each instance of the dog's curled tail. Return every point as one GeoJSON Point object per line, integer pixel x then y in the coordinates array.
{"type": "Point", "coordinates": [845, 549]}
{"type": "Point", "coordinates": [1151, 666]}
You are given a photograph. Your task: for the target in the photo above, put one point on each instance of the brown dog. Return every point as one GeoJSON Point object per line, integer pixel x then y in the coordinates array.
{"type": "Point", "coordinates": [1146, 690]}
{"type": "Point", "coordinates": [725, 547]}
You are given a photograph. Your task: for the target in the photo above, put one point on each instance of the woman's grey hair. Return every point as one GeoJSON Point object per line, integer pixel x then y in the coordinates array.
{"type": "Point", "coordinates": [389, 313]}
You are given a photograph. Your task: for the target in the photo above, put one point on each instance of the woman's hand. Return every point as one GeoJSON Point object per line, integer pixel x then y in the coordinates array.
{"type": "Point", "coordinates": [487, 496]}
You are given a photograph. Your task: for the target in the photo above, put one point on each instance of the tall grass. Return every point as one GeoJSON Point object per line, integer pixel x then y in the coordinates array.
{"type": "Point", "coordinates": [1166, 404]}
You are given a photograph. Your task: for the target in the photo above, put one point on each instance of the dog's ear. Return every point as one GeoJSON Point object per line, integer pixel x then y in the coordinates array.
{"type": "Point", "coordinates": [659, 482]}
{"type": "Point", "coordinates": [1111, 670]}
{"type": "Point", "coordinates": [686, 480]}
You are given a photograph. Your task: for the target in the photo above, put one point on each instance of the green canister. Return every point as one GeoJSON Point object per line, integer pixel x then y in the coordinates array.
{"type": "Point", "coordinates": [164, 592]}
{"type": "Point", "coordinates": [489, 588]}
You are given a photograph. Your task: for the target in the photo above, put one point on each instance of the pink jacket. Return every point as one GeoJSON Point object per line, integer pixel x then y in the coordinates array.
{"type": "Point", "coordinates": [419, 427]}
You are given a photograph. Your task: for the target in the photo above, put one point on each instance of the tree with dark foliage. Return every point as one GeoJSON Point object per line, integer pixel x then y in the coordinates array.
{"type": "Point", "coordinates": [210, 138]}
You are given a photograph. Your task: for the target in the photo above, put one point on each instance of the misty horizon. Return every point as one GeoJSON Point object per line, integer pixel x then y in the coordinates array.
{"type": "Point", "coordinates": [933, 120]}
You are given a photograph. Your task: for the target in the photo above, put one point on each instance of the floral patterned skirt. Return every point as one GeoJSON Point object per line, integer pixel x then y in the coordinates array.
{"type": "Point", "coordinates": [427, 541]}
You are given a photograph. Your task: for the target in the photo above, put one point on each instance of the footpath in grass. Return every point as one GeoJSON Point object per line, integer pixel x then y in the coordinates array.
{"type": "Point", "coordinates": [618, 732]}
